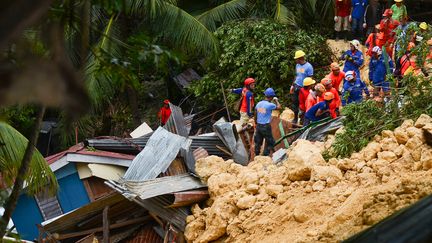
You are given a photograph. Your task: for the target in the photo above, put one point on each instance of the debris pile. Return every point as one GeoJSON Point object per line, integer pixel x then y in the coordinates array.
{"type": "Point", "coordinates": [305, 198]}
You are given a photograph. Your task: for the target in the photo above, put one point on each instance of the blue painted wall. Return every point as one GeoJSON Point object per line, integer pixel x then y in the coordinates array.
{"type": "Point", "coordinates": [26, 216]}
{"type": "Point", "coordinates": [71, 195]}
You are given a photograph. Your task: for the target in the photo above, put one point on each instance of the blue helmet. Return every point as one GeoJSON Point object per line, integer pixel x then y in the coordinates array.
{"type": "Point", "coordinates": [269, 92]}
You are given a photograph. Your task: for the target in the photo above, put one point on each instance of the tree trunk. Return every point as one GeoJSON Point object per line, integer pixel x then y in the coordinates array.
{"type": "Point", "coordinates": [133, 102]}
{"type": "Point", "coordinates": [19, 181]}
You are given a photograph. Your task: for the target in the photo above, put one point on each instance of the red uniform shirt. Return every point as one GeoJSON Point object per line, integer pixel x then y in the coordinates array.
{"type": "Point", "coordinates": [343, 8]}
{"type": "Point", "coordinates": [337, 80]}
{"type": "Point", "coordinates": [312, 100]}
{"type": "Point", "coordinates": [303, 94]}
{"type": "Point", "coordinates": [336, 102]}
{"type": "Point", "coordinates": [379, 41]}
{"type": "Point", "coordinates": [164, 114]}
{"type": "Point", "coordinates": [387, 26]}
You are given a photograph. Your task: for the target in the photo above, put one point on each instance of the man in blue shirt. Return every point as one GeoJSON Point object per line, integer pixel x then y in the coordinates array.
{"type": "Point", "coordinates": [378, 72]}
{"type": "Point", "coordinates": [353, 88]}
{"type": "Point", "coordinates": [320, 110]}
{"type": "Point", "coordinates": [263, 114]}
{"type": "Point", "coordinates": [303, 70]}
{"type": "Point", "coordinates": [353, 58]}
{"type": "Point", "coordinates": [357, 15]}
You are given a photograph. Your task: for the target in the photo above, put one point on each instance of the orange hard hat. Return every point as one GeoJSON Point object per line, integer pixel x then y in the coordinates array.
{"type": "Point", "coordinates": [326, 81]}
{"type": "Point", "coordinates": [320, 88]}
{"type": "Point", "coordinates": [334, 66]}
{"type": "Point", "coordinates": [249, 81]}
{"type": "Point", "coordinates": [328, 96]}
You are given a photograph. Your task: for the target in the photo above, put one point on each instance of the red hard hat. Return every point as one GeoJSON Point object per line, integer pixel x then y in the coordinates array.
{"type": "Point", "coordinates": [387, 13]}
{"type": "Point", "coordinates": [249, 81]}
{"type": "Point", "coordinates": [166, 102]}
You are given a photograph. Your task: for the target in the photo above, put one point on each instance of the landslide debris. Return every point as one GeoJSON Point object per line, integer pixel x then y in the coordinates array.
{"type": "Point", "coordinates": [305, 198]}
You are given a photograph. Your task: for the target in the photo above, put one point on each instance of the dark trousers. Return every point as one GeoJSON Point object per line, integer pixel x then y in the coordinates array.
{"type": "Point", "coordinates": [263, 132]}
{"type": "Point", "coordinates": [295, 102]}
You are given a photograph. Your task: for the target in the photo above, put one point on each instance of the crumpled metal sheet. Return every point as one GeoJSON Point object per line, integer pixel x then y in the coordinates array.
{"type": "Point", "coordinates": [228, 134]}
{"type": "Point", "coordinates": [176, 122]}
{"type": "Point", "coordinates": [160, 150]}
{"type": "Point", "coordinates": [319, 132]}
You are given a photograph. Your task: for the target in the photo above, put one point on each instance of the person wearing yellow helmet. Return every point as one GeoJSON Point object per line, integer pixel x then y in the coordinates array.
{"type": "Point", "coordinates": [320, 110]}
{"type": "Point", "coordinates": [399, 10]}
{"type": "Point", "coordinates": [308, 84]}
{"type": "Point", "coordinates": [303, 70]}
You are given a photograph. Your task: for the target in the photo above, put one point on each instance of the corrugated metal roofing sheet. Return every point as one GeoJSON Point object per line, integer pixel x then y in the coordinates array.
{"type": "Point", "coordinates": [160, 150]}
{"type": "Point", "coordinates": [145, 235]}
{"type": "Point", "coordinates": [176, 122]}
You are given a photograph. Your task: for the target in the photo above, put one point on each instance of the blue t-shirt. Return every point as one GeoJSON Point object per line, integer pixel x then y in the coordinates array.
{"type": "Point", "coordinates": [359, 7]}
{"type": "Point", "coordinates": [311, 113]}
{"type": "Point", "coordinates": [302, 72]}
{"type": "Point", "coordinates": [264, 110]}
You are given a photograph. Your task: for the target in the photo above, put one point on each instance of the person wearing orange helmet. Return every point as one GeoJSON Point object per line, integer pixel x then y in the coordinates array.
{"type": "Point", "coordinates": [320, 110]}
{"type": "Point", "coordinates": [336, 75]}
{"type": "Point", "coordinates": [164, 113]}
{"type": "Point", "coordinates": [246, 107]}
{"type": "Point", "coordinates": [316, 95]}
{"type": "Point", "coordinates": [336, 102]}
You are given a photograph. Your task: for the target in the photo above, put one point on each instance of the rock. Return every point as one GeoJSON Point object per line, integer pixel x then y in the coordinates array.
{"type": "Point", "coordinates": [389, 144]}
{"type": "Point", "coordinates": [222, 183]}
{"type": "Point", "coordinates": [368, 179]}
{"type": "Point", "coordinates": [246, 202]}
{"type": "Point", "coordinates": [387, 134]}
{"type": "Point", "coordinates": [346, 164]}
{"type": "Point", "coordinates": [358, 156]}
{"type": "Point", "coordinates": [282, 198]}
{"type": "Point", "coordinates": [377, 138]}
{"type": "Point", "coordinates": [333, 161]}
{"type": "Point", "coordinates": [194, 229]}
{"type": "Point", "coordinates": [211, 165]}
{"type": "Point", "coordinates": [318, 186]}
{"type": "Point", "coordinates": [407, 123]}
{"type": "Point", "coordinates": [274, 190]}
{"type": "Point", "coordinates": [413, 143]}
{"type": "Point", "coordinates": [399, 151]}
{"type": "Point", "coordinates": [416, 154]}
{"type": "Point", "coordinates": [401, 135]}
{"type": "Point", "coordinates": [252, 188]}
{"type": "Point", "coordinates": [422, 121]}
{"type": "Point", "coordinates": [413, 132]}
{"type": "Point", "coordinates": [325, 172]}
{"type": "Point", "coordinates": [287, 115]}
{"type": "Point", "coordinates": [371, 150]}
{"type": "Point", "coordinates": [387, 155]}
{"type": "Point", "coordinates": [248, 176]}
{"type": "Point", "coordinates": [302, 157]}
{"type": "Point", "coordinates": [359, 165]}
{"type": "Point", "coordinates": [426, 159]}
{"type": "Point", "coordinates": [189, 219]}
{"type": "Point", "coordinates": [300, 215]}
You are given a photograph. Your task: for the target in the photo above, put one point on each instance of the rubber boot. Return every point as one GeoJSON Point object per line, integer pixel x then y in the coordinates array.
{"type": "Point", "coordinates": [345, 35]}
{"type": "Point", "coordinates": [337, 35]}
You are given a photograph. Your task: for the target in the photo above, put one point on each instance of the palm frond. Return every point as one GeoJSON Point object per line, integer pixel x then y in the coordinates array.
{"type": "Point", "coordinates": [283, 15]}
{"type": "Point", "coordinates": [149, 8]}
{"type": "Point", "coordinates": [12, 147]}
{"type": "Point", "coordinates": [227, 11]}
{"type": "Point", "coordinates": [184, 30]}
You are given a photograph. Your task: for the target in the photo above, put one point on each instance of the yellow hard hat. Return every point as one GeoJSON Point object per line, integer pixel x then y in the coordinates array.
{"type": "Point", "coordinates": [423, 26]}
{"type": "Point", "coordinates": [308, 81]}
{"type": "Point", "coordinates": [299, 54]}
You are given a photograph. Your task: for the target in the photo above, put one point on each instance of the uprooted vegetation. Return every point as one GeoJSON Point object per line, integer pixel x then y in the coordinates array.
{"type": "Point", "coordinates": [305, 198]}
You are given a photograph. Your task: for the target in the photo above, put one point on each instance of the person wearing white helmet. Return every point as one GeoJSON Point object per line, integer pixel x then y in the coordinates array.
{"type": "Point", "coordinates": [353, 58]}
{"type": "Point", "coordinates": [353, 88]}
{"type": "Point", "coordinates": [378, 71]}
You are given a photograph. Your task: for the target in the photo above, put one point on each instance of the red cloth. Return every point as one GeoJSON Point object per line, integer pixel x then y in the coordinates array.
{"type": "Point", "coordinates": [303, 94]}
{"type": "Point", "coordinates": [164, 114]}
{"type": "Point", "coordinates": [343, 8]}
{"type": "Point", "coordinates": [336, 102]}
{"type": "Point", "coordinates": [336, 80]}
{"type": "Point", "coordinates": [379, 41]}
{"type": "Point", "coordinates": [312, 100]}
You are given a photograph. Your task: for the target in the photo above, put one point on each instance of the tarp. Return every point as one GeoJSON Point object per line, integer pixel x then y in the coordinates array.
{"type": "Point", "coordinates": [319, 132]}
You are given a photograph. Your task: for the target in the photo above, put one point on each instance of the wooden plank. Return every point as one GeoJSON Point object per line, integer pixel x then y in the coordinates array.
{"type": "Point", "coordinates": [105, 223]}
{"type": "Point", "coordinates": [100, 229]}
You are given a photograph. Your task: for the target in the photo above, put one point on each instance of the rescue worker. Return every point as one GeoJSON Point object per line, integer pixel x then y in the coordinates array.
{"type": "Point", "coordinates": [320, 110]}
{"type": "Point", "coordinates": [399, 10]}
{"type": "Point", "coordinates": [336, 76]}
{"type": "Point", "coordinates": [372, 16]}
{"type": "Point", "coordinates": [336, 103]}
{"type": "Point", "coordinates": [357, 16]}
{"type": "Point", "coordinates": [263, 114]}
{"type": "Point", "coordinates": [308, 84]}
{"type": "Point", "coordinates": [353, 89]}
{"type": "Point", "coordinates": [387, 26]}
{"type": "Point", "coordinates": [164, 113]}
{"type": "Point", "coordinates": [420, 36]}
{"type": "Point", "coordinates": [378, 72]}
{"type": "Point", "coordinates": [303, 70]}
{"type": "Point", "coordinates": [353, 58]}
{"type": "Point", "coordinates": [247, 100]}
{"type": "Point", "coordinates": [375, 38]}
{"type": "Point", "coordinates": [316, 95]}
{"type": "Point", "coordinates": [342, 22]}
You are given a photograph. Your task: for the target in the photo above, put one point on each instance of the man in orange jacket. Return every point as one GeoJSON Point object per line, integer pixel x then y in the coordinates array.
{"type": "Point", "coordinates": [336, 102]}
{"type": "Point", "coordinates": [164, 113]}
{"type": "Point", "coordinates": [315, 96]}
{"type": "Point", "coordinates": [336, 76]}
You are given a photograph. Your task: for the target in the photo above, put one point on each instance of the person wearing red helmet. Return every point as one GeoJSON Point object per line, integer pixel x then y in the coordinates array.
{"type": "Point", "coordinates": [164, 113]}
{"type": "Point", "coordinates": [247, 101]}
{"type": "Point", "coordinates": [336, 102]}
{"type": "Point", "coordinates": [387, 26]}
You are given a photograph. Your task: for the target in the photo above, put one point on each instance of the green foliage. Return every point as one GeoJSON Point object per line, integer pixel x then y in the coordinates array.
{"type": "Point", "coordinates": [262, 49]}
{"type": "Point", "coordinates": [12, 147]}
{"type": "Point", "coordinates": [21, 117]}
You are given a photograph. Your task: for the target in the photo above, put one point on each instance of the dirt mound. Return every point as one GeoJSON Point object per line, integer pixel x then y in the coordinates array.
{"type": "Point", "coordinates": [305, 198]}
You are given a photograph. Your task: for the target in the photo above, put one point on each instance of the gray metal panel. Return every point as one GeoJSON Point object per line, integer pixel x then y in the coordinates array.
{"type": "Point", "coordinates": [155, 158]}
{"type": "Point", "coordinates": [176, 122]}
{"type": "Point", "coordinates": [228, 134]}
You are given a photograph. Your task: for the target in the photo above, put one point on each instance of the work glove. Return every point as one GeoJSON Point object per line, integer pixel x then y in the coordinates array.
{"type": "Point", "coordinates": [350, 18]}
{"type": "Point", "coordinates": [336, 19]}
{"type": "Point", "coordinates": [364, 26]}
{"type": "Point", "coordinates": [275, 98]}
